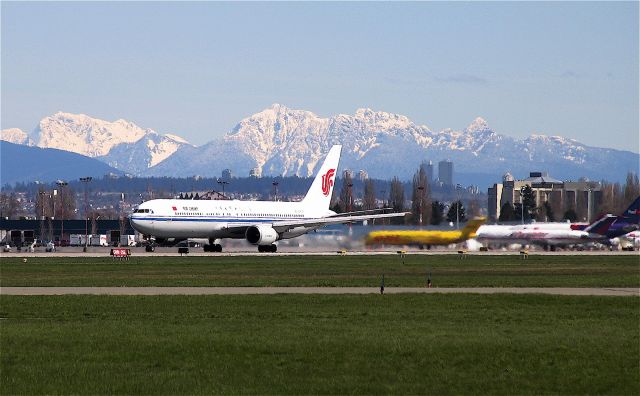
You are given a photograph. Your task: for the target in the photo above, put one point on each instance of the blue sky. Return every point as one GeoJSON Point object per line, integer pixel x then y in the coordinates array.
{"type": "Point", "coordinates": [196, 69]}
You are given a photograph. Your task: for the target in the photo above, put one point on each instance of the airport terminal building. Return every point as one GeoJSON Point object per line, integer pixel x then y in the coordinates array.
{"type": "Point", "coordinates": [560, 194]}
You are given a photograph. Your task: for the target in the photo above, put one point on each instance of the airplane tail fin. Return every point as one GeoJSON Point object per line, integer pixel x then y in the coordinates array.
{"type": "Point", "coordinates": [601, 225]}
{"type": "Point", "coordinates": [318, 197]}
{"type": "Point", "coordinates": [632, 214]}
{"type": "Point", "coordinates": [469, 231]}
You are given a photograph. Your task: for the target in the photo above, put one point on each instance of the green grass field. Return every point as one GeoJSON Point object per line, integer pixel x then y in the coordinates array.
{"type": "Point", "coordinates": [294, 344]}
{"type": "Point", "coordinates": [446, 271]}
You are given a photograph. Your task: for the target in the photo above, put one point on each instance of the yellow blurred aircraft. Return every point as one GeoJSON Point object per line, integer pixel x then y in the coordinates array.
{"type": "Point", "coordinates": [424, 237]}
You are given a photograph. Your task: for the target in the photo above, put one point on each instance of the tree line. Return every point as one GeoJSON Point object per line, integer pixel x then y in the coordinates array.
{"type": "Point", "coordinates": [423, 210]}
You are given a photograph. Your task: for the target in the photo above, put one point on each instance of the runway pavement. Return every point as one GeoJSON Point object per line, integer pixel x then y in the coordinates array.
{"type": "Point", "coordinates": [155, 291]}
{"type": "Point", "coordinates": [291, 251]}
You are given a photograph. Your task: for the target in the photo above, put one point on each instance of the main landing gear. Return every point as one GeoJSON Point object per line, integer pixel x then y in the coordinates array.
{"type": "Point", "coordinates": [213, 248]}
{"type": "Point", "coordinates": [267, 248]}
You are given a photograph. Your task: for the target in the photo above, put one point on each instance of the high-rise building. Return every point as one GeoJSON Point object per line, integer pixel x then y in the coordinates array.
{"type": "Point", "coordinates": [226, 174]}
{"type": "Point", "coordinates": [428, 167]}
{"type": "Point", "coordinates": [362, 175]}
{"type": "Point", "coordinates": [445, 172]}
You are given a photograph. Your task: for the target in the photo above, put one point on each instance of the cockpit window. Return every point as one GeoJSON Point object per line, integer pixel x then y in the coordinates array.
{"type": "Point", "coordinates": [143, 211]}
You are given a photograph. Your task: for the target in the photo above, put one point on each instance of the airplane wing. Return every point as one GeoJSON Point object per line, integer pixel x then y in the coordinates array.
{"type": "Point", "coordinates": [361, 212]}
{"type": "Point", "coordinates": [286, 225]}
{"type": "Point", "coordinates": [281, 226]}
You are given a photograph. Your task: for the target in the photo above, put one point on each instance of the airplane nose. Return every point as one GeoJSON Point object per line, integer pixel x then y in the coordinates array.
{"type": "Point", "coordinates": [142, 225]}
{"type": "Point", "coordinates": [134, 223]}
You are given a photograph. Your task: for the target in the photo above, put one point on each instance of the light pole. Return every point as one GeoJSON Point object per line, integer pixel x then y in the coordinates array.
{"type": "Point", "coordinates": [275, 187]}
{"type": "Point", "coordinates": [589, 203]}
{"type": "Point", "coordinates": [420, 189]}
{"type": "Point", "coordinates": [86, 180]}
{"type": "Point", "coordinates": [223, 183]}
{"type": "Point", "coordinates": [42, 195]}
{"type": "Point", "coordinates": [382, 206]}
{"type": "Point", "coordinates": [458, 187]}
{"type": "Point", "coordinates": [61, 184]}
{"type": "Point", "coordinates": [52, 216]}
{"type": "Point", "coordinates": [522, 203]}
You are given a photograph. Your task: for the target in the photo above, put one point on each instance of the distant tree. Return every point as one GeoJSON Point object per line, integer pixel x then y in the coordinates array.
{"type": "Point", "coordinates": [181, 196]}
{"type": "Point", "coordinates": [548, 212]}
{"type": "Point", "coordinates": [529, 202]}
{"type": "Point", "coordinates": [421, 197]}
{"type": "Point", "coordinates": [346, 194]}
{"type": "Point", "coordinates": [456, 212]}
{"type": "Point", "coordinates": [66, 203]}
{"type": "Point", "coordinates": [9, 205]}
{"type": "Point", "coordinates": [631, 188]}
{"type": "Point", "coordinates": [437, 212]}
{"type": "Point", "coordinates": [607, 198]}
{"type": "Point", "coordinates": [197, 196]}
{"type": "Point", "coordinates": [396, 195]}
{"type": "Point", "coordinates": [570, 215]}
{"type": "Point", "coordinates": [507, 213]}
{"type": "Point", "coordinates": [518, 212]}
{"type": "Point", "coordinates": [369, 201]}
{"type": "Point", "coordinates": [396, 199]}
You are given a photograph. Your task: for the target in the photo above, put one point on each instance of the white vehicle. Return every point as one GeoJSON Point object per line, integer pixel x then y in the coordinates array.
{"type": "Point", "coordinates": [261, 223]}
{"type": "Point", "coordinates": [127, 240]}
{"type": "Point", "coordinates": [77, 239]}
{"type": "Point", "coordinates": [98, 240]}
{"type": "Point", "coordinates": [50, 247]}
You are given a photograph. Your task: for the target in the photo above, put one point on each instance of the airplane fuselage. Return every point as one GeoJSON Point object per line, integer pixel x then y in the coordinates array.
{"type": "Point", "coordinates": [539, 234]}
{"type": "Point", "coordinates": [177, 218]}
{"type": "Point", "coordinates": [415, 237]}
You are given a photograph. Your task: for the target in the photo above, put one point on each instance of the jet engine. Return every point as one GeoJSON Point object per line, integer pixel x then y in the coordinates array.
{"type": "Point", "coordinates": [261, 235]}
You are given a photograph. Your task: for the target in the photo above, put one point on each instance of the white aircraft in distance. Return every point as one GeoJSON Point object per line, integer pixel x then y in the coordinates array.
{"type": "Point", "coordinates": [261, 223]}
{"type": "Point", "coordinates": [549, 237]}
{"type": "Point", "coordinates": [629, 241]}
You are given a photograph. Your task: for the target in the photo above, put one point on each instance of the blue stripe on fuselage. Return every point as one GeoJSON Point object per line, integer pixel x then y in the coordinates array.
{"type": "Point", "coordinates": [215, 219]}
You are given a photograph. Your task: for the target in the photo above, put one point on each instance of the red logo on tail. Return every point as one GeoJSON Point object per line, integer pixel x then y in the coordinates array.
{"type": "Point", "coordinates": [327, 181]}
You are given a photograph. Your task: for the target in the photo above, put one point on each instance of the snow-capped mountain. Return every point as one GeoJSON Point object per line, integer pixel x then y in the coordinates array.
{"type": "Point", "coordinates": [121, 144]}
{"type": "Point", "coordinates": [17, 136]}
{"type": "Point", "coordinates": [279, 140]}
{"type": "Point", "coordinates": [284, 141]}
{"type": "Point", "coordinates": [149, 151]}
{"type": "Point", "coordinates": [84, 135]}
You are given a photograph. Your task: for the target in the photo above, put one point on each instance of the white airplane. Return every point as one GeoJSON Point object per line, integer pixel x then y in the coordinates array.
{"type": "Point", "coordinates": [261, 223]}
{"type": "Point", "coordinates": [629, 241]}
{"type": "Point", "coordinates": [556, 234]}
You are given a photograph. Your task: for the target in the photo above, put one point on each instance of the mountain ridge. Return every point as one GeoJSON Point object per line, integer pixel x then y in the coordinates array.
{"type": "Point", "coordinates": [121, 143]}
{"type": "Point", "coordinates": [282, 141]}
{"type": "Point", "coordinates": [22, 163]}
